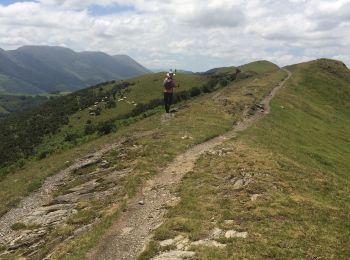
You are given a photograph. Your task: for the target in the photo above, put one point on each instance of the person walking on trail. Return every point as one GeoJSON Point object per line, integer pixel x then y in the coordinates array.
{"type": "Point", "coordinates": [169, 84]}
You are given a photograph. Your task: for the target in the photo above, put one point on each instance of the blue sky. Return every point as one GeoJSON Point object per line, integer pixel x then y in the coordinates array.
{"type": "Point", "coordinates": [192, 35]}
{"type": "Point", "coordinates": [97, 10]}
{"type": "Point", "coordinates": [8, 2]}
{"type": "Point", "coordinates": [94, 9]}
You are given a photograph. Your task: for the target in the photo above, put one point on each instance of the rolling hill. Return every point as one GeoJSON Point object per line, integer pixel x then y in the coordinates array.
{"type": "Point", "coordinates": [278, 188]}
{"type": "Point", "coordinates": [38, 69]}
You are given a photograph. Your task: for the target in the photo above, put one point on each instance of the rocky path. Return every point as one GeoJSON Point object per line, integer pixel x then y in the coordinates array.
{"type": "Point", "coordinates": [44, 195]}
{"type": "Point", "coordinates": [132, 232]}
{"type": "Point", "coordinates": [91, 179]}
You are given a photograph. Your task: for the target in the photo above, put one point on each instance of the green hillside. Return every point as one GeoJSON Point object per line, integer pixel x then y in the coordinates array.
{"type": "Point", "coordinates": [19, 103]}
{"type": "Point", "coordinates": [281, 186]}
{"type": "Point", "coordinates": [198, 119]}
{"type": "Point", "coordinates": [61, 122]}
{"type": "Point", "coordinates": [66, 121]}
{"type": "Point", "coordinates": [262, 66]}
{"type": "Point", "coordinates": [285, 181]}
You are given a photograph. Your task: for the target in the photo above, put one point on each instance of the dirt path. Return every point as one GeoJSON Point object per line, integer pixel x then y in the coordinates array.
{"type": "Point", "coordinates": [132, 232]}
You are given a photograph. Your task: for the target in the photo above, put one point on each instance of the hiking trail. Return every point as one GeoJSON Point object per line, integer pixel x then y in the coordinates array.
{"type": "Point", "coordinates": [131, 233]}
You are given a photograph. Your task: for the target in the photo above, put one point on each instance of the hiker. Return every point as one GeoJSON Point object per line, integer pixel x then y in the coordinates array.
{"type": "Point", "coordinates": [169, 84]}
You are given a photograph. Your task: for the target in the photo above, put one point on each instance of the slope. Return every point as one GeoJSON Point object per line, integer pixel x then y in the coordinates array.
{"type": "Point", "coordinates": [63, 121]}
{"type": "Point", "coordinates": [280, 189]}
{"type": "Point", "coordinates": [35, 69]}
{"type": "Point", "coordinates": [91, 197]}
{"type": "Point", "coordinates": [139, 221]}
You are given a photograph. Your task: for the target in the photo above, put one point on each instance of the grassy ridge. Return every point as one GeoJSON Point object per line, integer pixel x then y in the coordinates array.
{"type": "Point", "coordinates": [297, 161]}
{"type": "Point", "coordinates": [258, 67]}
{"type": "Point", "coordinates": [262, 66]}
{"type": "Point", "coordinates": [200, 118]}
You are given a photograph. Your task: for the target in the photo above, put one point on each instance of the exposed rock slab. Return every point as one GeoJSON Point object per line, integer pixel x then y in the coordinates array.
{"type": "Point", "coordinates": [175, 255]}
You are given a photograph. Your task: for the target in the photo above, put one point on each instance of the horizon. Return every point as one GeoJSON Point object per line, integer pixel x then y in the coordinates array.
{"type": "Point", "coordinates": [156, 69]}
{"type": "Point", "coordinates": [283, 32]}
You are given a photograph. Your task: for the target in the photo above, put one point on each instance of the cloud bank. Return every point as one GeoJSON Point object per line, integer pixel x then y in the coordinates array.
{"type": "Point", "coordinates": [188, 34]}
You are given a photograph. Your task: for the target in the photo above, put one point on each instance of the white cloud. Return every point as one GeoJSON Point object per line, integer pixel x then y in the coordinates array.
{"type": "Point", "coordinates": [168, 33]}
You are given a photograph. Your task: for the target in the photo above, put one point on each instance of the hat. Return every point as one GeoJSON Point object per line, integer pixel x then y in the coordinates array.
{"type": "Point", "coordinates": [170, 73]}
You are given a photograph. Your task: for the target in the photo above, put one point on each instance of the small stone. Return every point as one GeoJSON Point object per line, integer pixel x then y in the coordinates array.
{"type": "Point", "coordinates": [234, 233]}
{"type": "Point", "coordinates": [126, 230]}
{"type": "Point", "coordinates": [238, 184]}
{"type": "Point", "coordinates": [104, 164]}
{"type": "Point", "coordinates": [254, 197]}
{"type": "Point", "coordinates": [216, 233]}
{"type": "Point", "coordinates": [182, 243]}
{"type": "Point", "coordinates": [141, 202]}
{"type": "Point", "coordinates": [167, 242]}
{"type": "Point", "coordinates": [174, 255]}
{"type": "Point", "coordinates": [209, 243]}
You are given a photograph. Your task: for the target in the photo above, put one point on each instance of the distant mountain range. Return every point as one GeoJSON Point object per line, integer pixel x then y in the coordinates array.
{"type": "Point", "coordinates": [37, 69]}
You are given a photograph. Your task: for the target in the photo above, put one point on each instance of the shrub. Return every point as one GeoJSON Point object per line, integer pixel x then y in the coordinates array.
{"type": "Point", "coordinates": [89, 129]}
{"type": "Point", "coordinates": [105, 128]}
{"type": "Point", "coordinates": [71, 137]}
{"type": "Point", "coordinates": [195, 92]}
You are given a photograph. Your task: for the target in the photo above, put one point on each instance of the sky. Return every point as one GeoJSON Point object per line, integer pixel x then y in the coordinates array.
{"type": "Point", "coordinates": [194, 35]}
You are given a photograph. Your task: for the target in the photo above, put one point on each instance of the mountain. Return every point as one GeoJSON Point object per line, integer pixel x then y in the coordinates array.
{"type": "Point", "coordinates": [37, 69]}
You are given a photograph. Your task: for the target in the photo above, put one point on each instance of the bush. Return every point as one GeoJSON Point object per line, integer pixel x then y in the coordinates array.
{"type": "Point", "coordinates": [110, 104]}
{"type": "Point", "coordinates": [71, 137]}
{"type": "Point", "coordinates": [195, 92]}
{"type": "Point", "coordinates": [43, 155]}
{"type": "Point", "coordinates": [223, 82]}
{"type": "Point", "coordinates": [105, 128]}
{"type": "Point", "coordinates": [89, 129]}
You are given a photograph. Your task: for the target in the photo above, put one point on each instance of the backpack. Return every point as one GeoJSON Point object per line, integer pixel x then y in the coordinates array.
{"type": "Point", "coordinates": [168, 84]}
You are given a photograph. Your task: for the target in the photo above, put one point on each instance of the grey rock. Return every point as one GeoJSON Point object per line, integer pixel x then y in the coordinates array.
{"type": "Point", "coordinates": [234, 233]}
{"type": "Point", "coordinates": [254, 197]}
{"type": "Point", "coordinates": [209, 243]}
{"type": "Point", "coordinates": [216, 233]}
{"type": "Point", "coordinates": [175, 255]}
{"type": "Point", "coordinates": [26, 238]}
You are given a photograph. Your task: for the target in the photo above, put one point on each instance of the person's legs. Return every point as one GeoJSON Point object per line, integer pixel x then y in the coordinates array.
{"type": "Point", "coordinates": [170, 100]}
{"type": "Point", "coordinates": [166, 101]}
